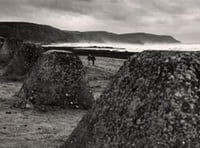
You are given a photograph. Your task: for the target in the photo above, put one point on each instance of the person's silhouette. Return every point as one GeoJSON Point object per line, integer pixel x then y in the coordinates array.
{"type": "Point", "coordinates": [93, 59]}
{"type": "Point", "coordinates": [89, 58]}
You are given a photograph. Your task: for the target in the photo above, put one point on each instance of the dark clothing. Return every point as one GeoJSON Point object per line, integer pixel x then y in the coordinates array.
{"type": "Point", "coordinates": [89, 58]}
{"type": "Point", "coordinates": [93, 59]}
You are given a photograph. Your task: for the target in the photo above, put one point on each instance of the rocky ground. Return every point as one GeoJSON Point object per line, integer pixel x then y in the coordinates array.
{"type": "Point", "coordinates": [32, 129]}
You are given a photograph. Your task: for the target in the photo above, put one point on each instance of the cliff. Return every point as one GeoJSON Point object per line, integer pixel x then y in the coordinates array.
{"type": "Point", "coordinates": [47, 34]}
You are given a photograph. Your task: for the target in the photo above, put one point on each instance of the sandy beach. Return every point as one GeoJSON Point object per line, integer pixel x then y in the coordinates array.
{"type": "Point", "coordinates": [32, 129]}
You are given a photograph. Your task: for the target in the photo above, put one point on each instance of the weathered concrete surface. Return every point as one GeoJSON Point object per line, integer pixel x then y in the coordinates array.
{"type": "Point", "coordinates": [8, 48]}
{"type": "Point", "coordinates": [154, 101]}
{"type": "Point", "coordinates": [1, 41]}
{"type": "Point", "coordinates": [57, 79]}
{"type": "Point", "coordinates": [23, 59]}
{"type": "Point", "coordinates": [21, 128]}
{"type": "Point", "coordinates": [17, 57]}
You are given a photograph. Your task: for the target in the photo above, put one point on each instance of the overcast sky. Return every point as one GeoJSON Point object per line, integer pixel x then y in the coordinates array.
{"type": "Point", "coordinates": [179, 18]}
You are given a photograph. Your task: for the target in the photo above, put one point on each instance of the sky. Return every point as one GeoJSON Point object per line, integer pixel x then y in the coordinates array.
{"type": "Point", "coordinates": [179, 18]}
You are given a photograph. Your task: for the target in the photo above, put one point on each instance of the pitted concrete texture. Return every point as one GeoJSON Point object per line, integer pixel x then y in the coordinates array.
{"type": "Point", "coordinates": [153, 102]}
{"type": "Point", "coordinates": [57, 79]}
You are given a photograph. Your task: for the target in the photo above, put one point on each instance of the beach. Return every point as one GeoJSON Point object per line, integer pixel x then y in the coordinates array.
{"type": "Point", "coordinates": [30, 128]}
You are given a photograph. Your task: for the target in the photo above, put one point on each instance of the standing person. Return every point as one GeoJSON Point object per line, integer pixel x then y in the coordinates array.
{"type": "Point", "coordinates": [89, 58]}
{"type": "Point", "coordinates": [93, 59]}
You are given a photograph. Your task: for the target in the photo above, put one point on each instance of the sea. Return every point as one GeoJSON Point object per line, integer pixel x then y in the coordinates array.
{"type": "Point", "coordinates": [130, 47]}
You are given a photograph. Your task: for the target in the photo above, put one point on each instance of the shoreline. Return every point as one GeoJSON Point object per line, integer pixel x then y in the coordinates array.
{"type": "Point", "coordinates": [84, 51]}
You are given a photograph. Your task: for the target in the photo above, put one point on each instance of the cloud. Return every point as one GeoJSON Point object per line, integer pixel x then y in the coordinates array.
{"type": "Point", "coordinates": [179, 18]}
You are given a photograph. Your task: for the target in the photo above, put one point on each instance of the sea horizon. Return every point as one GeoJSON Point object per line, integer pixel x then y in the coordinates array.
{"type": "Point", "coordinates": [130, 47]}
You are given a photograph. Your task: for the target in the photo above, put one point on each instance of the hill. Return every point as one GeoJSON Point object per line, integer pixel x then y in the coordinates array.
{"type": "Point", "coordinates": [33, 32]}
{"type": "Point", "coordinates": [47, 34]}
{"type": "Point", "coordinates": [148, 38]}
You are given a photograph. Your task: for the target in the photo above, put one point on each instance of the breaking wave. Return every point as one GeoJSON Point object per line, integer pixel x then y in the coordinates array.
{"type": "Point", "coordinates": [130, 47]}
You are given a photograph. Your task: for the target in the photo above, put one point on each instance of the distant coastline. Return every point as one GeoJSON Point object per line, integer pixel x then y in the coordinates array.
{"type": "Point", "coordinates": [122, 51]}
{"type": "Point", "coordinates": [128, 47]}
{"type": "Point", "coordinates": [47, 34]}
